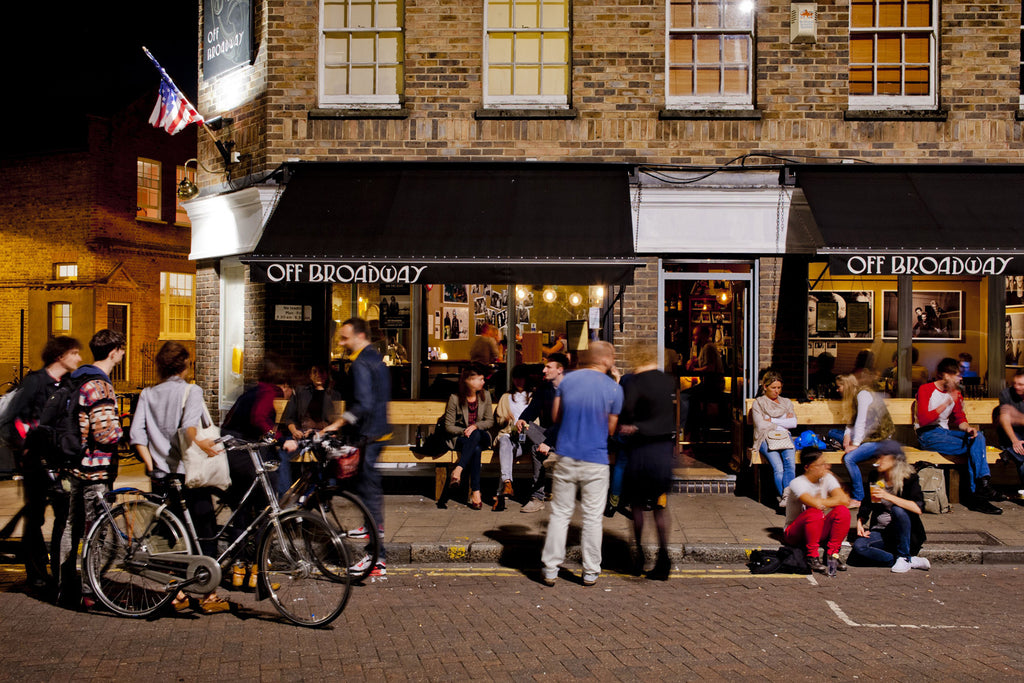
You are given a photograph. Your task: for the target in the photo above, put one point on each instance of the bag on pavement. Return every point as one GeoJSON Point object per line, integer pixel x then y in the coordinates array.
{"type": "Point", "coordinates": [200, 469]}
{"type": "Point", "coordinates": [933, 486]}
{"type": "Point", "coordinates": [785, 560]}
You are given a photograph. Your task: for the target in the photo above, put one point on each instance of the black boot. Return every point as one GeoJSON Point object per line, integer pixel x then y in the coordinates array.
{"type": "Point", "coordinates": [661, 568]}
{"type": "Point", "coordinates": [983, 489]}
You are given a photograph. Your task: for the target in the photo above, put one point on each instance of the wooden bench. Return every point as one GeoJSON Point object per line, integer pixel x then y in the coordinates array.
{"type": "Point", "coordinates": [829, 414]}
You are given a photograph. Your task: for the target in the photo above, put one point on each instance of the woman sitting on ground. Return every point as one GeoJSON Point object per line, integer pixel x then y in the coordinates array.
{"type": "Point", "coordinates": [772, 412]}
{"type": "Point", "coordinates": [868, 423]}
{"type": "Point", "coordinates": [467, 419]}
{"type": "Point", "coordinates": [891, 511]}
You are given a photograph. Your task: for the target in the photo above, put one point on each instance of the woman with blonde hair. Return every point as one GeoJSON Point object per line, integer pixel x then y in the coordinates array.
{"type": "Point", "coordinates": [868, 423]}
{"type": "Point", "coordinates": [773, 416]}
{"type": "Point", "coordinates": [889, 528]}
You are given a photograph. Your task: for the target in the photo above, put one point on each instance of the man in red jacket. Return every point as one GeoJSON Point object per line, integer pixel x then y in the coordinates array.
{"type": "Point", "coordinates": [943, 427]}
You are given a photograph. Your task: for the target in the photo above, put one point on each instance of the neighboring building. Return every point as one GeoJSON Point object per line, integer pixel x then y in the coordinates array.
{"type": "Point", "coordinates": [93, 236]}
{"type": "Point", "coordinates": [712, 121]}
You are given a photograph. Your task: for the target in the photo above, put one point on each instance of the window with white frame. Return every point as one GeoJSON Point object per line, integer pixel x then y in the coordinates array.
{"type": "Point", "coordinates": [65, 271]}
{"type": "Point", "coordinates": [59, 319]}
{"type": "Point", "coordinates": [362, 52]}
{"type": "Point", "coordinates": [148, 184]}
{"type": "Point", "coordinates": [892, 54]}
{"type": "Point", "coordinates": [177, 306]}
{"type": "Point", "coordinates": [527, 48]}
{"type": "Point", "coordinates": [710, 53]}
{"type": "Point", "coordinates": [181, 173]}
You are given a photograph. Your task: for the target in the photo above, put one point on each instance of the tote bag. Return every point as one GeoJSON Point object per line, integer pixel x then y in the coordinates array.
{"type": "Point", "coordinates": [200, 469]}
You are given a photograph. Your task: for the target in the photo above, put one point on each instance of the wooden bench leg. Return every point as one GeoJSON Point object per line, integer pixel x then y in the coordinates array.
{"type": "Point", "coordinates": [440, 480]}
{"type": "Point", "coordinates": [953, 487]}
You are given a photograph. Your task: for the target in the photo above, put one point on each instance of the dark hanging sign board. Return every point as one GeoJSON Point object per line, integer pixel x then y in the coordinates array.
{"type": "Point", "coordinates": [227, 35]}
{"type": "Point", "coordinates": [926, 264]}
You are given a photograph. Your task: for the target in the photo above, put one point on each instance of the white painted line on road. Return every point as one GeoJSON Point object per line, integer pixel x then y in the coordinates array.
{"type": "Point", "coordinates": [850, 622]}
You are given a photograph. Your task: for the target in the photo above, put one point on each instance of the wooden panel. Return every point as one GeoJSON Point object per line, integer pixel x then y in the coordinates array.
{"type": "Point", "coordinates": [532, 347]}
{"type": "Point", "coordinates": [415, 412]}
{"type": "Point", "coordinates": [979, 411]}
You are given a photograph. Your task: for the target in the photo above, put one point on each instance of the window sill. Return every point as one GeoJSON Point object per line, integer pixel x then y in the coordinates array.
{"type": "Point", "coordinates": [666, 114]}
{"type": "Point", "coordinates": [358, 113]}
{"type": "Point", "coordinates": [492, 113]}
{"type": "Point", "coordinates": [176, 337]}
{"type": "Point", "coordinates": [895, 114]}
{"type": "Point", "coordinates": [147, 219]}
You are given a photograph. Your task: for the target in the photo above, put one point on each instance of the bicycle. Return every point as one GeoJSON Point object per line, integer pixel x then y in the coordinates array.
{"type": "Point", "coordinates": [139, 553]}
{"type": "Point", "coordinates": [341, 508]}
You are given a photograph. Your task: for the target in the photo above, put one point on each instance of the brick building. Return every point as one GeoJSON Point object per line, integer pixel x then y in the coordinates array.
{"type": "Point", "coordinates": [93, 237]}
{"type": "Point", "coordinates": [717, 110]}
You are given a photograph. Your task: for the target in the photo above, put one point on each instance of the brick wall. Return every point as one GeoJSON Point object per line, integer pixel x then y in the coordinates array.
{"type": "Point", "coordinates": [207, 357]}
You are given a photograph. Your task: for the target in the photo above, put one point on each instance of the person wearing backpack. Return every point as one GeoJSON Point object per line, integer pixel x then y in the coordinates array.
{"type": "Point", "coordinates": [61, 356]}
{"type": "Point", "coordinates": [87, 475]}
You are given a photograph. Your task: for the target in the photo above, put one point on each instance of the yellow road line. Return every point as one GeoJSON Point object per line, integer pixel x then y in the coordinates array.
{"type": "Point", "coordinates": [507, 572]}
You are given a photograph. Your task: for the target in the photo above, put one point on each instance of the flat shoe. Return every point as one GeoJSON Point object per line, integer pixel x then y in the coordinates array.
{"type": "Point", "coordinates": [180, 604]}
{"type": "Point", "coordinates": [214, 605]}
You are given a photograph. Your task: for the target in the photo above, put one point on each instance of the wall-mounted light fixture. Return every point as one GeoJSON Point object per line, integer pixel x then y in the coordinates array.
{"type": "Point", "coordinates": [186, 188]}
{"type": "Point", "coordinates": [549, 295]}
{"type": "Point", "coordinates": [575, 299]}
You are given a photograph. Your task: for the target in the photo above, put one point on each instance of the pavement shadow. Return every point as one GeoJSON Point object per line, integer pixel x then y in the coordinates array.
{"type": "Point", "coordinates": [522, 546]}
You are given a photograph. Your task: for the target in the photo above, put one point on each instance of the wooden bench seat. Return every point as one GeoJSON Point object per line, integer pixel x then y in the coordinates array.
{"type": "Point", "coordinates": [828, 414]}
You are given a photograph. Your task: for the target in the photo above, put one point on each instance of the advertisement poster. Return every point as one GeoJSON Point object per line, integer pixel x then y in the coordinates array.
{"type": "Point", "coordinates": [395, 306]}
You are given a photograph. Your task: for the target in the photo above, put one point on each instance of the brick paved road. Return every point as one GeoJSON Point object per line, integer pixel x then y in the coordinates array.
{"type": "Point", "coordinates": [492, 623]}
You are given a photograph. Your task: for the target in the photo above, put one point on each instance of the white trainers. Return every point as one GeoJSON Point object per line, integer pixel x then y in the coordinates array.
{"type": "Point", "coordinates": [362, 565]}
{"type": "Point", "coordinates": [359, 532]}
{"type": "Point", "coordinates": [902, 566]}
{"type": "Point", "coordinates": [533, 505]}
{"type": "Point", "coordinates": [589, 579]}
{"type": "Point", "coordinates": [380, 571]}
{"type": "Point", "coordinates": [921, 563]}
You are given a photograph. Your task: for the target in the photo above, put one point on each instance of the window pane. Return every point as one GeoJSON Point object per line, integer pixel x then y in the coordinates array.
{"type": "Point", "coordinates": [862, 14]}
{"type": "Point", "coordinates": [555, 14]}
{"type": "Point", "coordinates": [890, 13]}
{"type": "Point", "coordinates": [917, 81]}
{"type": "Point", "coordinates": [526, 14]}
{"type": "Point", "coordinates": [889, 81]}
{"type": "Point", "coordinates": [388, 14]}
{"type": "Point", "coordinates": [528, 48]}
{"type": "Point", "coordinates": [388, 78]}
{"type": "Point", "coordinates": [861, 81]}
{"type": "Point", "coordinates": [360, 14]}
{"type": "Point", "coordinates": [708, 81]}
{"type": "Point", "coordinates": [556, 80]}
{"type": "Point", "coordinates": [500, 48]}
{"type": "Point", "coordinates": [861, 49]}
{"type": "Point", "coordinates": [148, 195]}
{"type": "Point", "coordinates": [681, 50]}
{"type": "Point", "coordinates": [916, 46]}
{"type": "Point", "coordinates": [499, 14]}
{"type": "Point", "coordinates": [362, 49]}
{"type": "Point", "coordinates": [919, 13]}
{"type": "Point", "coordinates": [738, 15]}
{"type": "Point", "coordinates": [334, 14]}
{"type": "Point", "coordinates": [527, 80]}
{"type": "Point", "coordinates": [707, 15]}
{"type": "Point", "coordinates": [556, 49]}
{"type": "Point", "coordinates": [389, 47]}
{"type": "Point", "coordinates": [361, 80]}
{"type": "Point", "coordinates": [336, 48]}
{"type": "Point", "coordinates": [336, 81]}
{"type": "Point", "coordinates": [707, 50]}
{"type": "Point", "coordinates": [888, 50]}
{"type": "Point", "coordinates": [499, 80]}
{"type": "Point", "coordinates": [682, 14]}
{"type": "Point", "coordinates": [735, 81]}
{"type": "Point", "coordinates": [680, 81]}
{"type": "Point", "coordinates": [734, 49]}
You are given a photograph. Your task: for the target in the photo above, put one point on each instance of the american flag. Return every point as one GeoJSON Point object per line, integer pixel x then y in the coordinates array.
{"type": "Point", "coordinates": [172, 111]}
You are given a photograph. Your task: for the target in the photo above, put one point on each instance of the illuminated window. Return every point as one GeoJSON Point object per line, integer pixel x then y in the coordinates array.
{"type": "Point", "coordinates": [710, 53]}
{"type": "Point", "coordinates": [60, 318]}
{"type": "Point", "coordinates": [527, 47]}
{"type": "Point", "coordinates": [177, 306]}
{"type": "Point", "coordinates": [892, 54]}
{"type": "Point", "coordinates": [148, 189]}
{"type": "Point", "coordinates": [361, 51]}
{"type": "Point", "coordinates": [182, 172]}
{"type": "Point", "coordinates": [65, 271]}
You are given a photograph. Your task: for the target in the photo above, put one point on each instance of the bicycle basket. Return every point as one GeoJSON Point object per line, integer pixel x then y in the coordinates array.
{"type": "Point", "coordinates": [342, 460]}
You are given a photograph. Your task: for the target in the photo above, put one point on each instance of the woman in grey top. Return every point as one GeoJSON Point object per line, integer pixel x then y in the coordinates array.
{"type": "Point", "coordinates": [161, 411]}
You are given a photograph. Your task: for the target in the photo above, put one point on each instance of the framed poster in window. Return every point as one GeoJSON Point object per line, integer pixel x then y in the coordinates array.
{"type": "Point", "coordinates": [1014, 337]}
{"type": "Point", "coordinates": [840, 315]}
{"type": "Point", "coordinates": [938, 315]}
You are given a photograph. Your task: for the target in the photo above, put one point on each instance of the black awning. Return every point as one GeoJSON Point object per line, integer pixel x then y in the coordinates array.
{"type": "Point", "coordinates": [952, 219]}
{"type": "Point", "coordinates": [449, 222]}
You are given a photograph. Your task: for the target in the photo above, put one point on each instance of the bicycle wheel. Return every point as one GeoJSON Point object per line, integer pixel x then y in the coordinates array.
{"type": "Point", "coordinates": [350, 517]}
{"type": "Point", "coordinates": [131, 527]}
{"type": "Point", "coordinates": [302, 565]}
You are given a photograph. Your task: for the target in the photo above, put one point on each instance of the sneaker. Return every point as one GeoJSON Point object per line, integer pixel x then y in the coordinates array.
{"type": "Point", "coordinates": [380, 570]}
{"type": "Point", "coordinates": [816, 565]}
{"type": "Point", "coordinates": [534, 505]}
{"type": "Point", "coordinates": [589, 579]}
{"type": "Point", "coordinates": [921, 563]}
{"type": "Point", "coordinates": [361, 566]}
{"type": "Point", "coordinates": [548, 579]}
{"type": "Point", "coordinates": [359, 532]}
{"type": "Point", "coordinates": [902, 566]}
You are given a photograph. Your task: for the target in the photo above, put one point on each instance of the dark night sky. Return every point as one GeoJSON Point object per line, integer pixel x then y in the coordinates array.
{"type": "Point", "coordinates": [69, 58]}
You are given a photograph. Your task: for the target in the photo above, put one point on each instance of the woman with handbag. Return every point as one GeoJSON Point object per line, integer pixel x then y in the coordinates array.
{"type": "Point", "coordinates": [161, 411]}
{"type": "Point", "coordinates": [468, 418]}
{"type": "Point", "coordinates": [773, 417]}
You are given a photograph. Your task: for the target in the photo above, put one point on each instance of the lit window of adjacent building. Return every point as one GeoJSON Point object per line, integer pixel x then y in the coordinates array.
{"type": "Point", "coordinates": [361, 52]}
{"type": "Point", "coordinates": [892, 54]}
{"type": "Point", "coordinates": [1021, 44]}
{"type": "Point", "coordinates": [65, 271]}
{"type": "Point", "coordinates": [181, 173]}
{"type": "Point", "coordinates": [177, 306]}
{"type": "Point", "coordinates": [148, 184]}
{"type": "Point", "coordinates": [59, 318]}
{"type": "Point", "coordinates": [710, 53]}
{"type": "Point", "coordinates": [527, 48]}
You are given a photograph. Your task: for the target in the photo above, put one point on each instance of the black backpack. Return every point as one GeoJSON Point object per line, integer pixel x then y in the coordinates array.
{"type": "Point", "coordinates": [58, 437]}
{"type": "Point", "coordinates": [785, 560]}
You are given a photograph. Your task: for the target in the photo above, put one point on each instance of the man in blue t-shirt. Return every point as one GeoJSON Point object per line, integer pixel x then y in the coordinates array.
{"type": "Point", "coordinates": [586, 408]}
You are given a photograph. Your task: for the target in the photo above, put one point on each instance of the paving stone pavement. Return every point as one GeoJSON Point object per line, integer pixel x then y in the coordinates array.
{"type": "Point", "coordinates": [495, 623]}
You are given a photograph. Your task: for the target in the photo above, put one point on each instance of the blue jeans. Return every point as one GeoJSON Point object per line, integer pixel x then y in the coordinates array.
{"type": "Point", "coordinates": [956, 442]}
{"type": "Point", "coordinates": [369, 488]}
{"type": "Point", "coordinates": [852, 460]}
{"type": "Point", "coordinates": [618, 472]}
{"type": "Point", "coordinates": [883, 547]}
{"type": "Point", "coordinates": [470, 448]}
{"type": "Point", "coordinates": [783, 465]}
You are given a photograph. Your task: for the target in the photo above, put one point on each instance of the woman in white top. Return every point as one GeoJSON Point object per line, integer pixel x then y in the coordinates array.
{"type": "Point", "coordinates": [510, 406]}
{"type": "Point", "coordinates": [868, 423]}
{"type": "Point", "coordinates": [771, 412]}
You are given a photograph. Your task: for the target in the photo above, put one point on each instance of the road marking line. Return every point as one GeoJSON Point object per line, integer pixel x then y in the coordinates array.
{"type": "Point", "coordinates": [504, 572]}
{"type": "Point", "coordinates": [850, 622]}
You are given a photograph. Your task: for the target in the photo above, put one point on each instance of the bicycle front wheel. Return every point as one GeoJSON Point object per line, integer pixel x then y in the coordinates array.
{"type": "Point", "coordinates": [132, 527]}
{"type": "Point", "coordinates": [303, 568]}
{"type": "Point", "coordinates": [350, 517]}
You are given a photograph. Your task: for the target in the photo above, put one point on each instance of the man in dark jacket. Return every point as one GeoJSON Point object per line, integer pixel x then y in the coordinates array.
{"type": "Point", "coordinates": [366, 413]}
{"type": "Point", "coordinates": [541, 407]}
{"type": "Point", "coordinates": [61, 356]}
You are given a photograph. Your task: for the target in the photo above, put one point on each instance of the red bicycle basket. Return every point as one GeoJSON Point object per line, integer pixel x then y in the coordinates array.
{"type": "Point", "coordinates": [343, 461]}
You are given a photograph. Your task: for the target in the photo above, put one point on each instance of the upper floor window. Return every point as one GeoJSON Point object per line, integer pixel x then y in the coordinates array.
{"type": "Point", "coordinates": [177, 306]}
{"type": "Point", "coordinates": [181, 173]}
{"type": "Point", "coordinates": [148, 184]}
{"type": "Point", "coordinates": [1021, 43]}
{"type": "Point", "coordinates": [59, 323]}
{"type": "Point", "coordinates": [527, 47]}
{"type": "Point", "coordinates": [65, 271]}
{"type": "Point", "coordinates": [361, 51]}
{"type": "Point", "coordinates": [892, 54]}
{"type": "Point", "coordinates": [710, 53]}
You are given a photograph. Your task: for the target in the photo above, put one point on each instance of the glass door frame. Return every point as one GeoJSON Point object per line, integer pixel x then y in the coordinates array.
{"type": "Point", "coordinates": [751, 335]}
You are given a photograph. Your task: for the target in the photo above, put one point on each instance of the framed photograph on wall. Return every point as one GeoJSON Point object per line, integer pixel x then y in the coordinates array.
{"type": "Point", "coordinates": [1014, 290]}
{"type": "Point", "coordinates": [1014, 336]}
{"type": "Point", "coordinates": [840, 315]}
{"type": "Point", "coordinates": [938, 315]}
{"type": "Point", "coordinates": [455, 294]}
